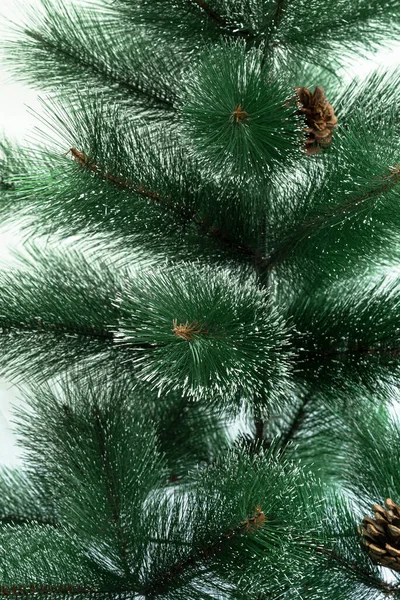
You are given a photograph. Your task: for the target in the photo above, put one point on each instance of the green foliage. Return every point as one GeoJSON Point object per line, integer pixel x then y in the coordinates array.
{"type": "Point", "coordinates": [154, 196]}
{"type": "Point", "coordinates": [197, 21]}
{"type": "Point", "coordinates": [120, 530]}
{"type": "Point", "coordinates": [348, 335]}
{"type": "Point", "coordinates": [346, 210]}
{"type": "Point", "coordinates": [235, 341]}
{"type": "Point", "coordinates": [200, 436]}
{"type": "Point", "coordinates": [376, 96]}
{"type": "Point", "coordinates": [177, 21]}
{"type": "Point", "coordinates": [363, 451]}
{"type": "Point", "coordinates": [315, 31]}
{"type": "Point", "coordinates": [323, 33]}
{"type": "Point", "coordinates": [21, 502]}
{"type": "Point", "coordinates": [46, 319]}
{"type": "Point", "coordinates": [92, 452]}
{"type": "Point", "coordinates": [235, 348]}
{"type": "Point", "coordinates": [94, 448]}
{"type": "Point", "coordinates": [222, 273]}
{"type": "Point", "coordinates": [224, 496]}
{"type": "Point", "coordinates": [343, 570]}
{"type": "Point", "coordinates": [62, 46]}
{"type": "Point", "coordinates": [35, 559]}
{"type": "Point", "coordinates": [236, 115]}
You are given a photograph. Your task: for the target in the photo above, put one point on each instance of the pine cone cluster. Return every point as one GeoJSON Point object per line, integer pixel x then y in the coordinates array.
{"type": "Point", "coordinates": [320, 118]}
{"type": "Point", "coordinates": [381, 536]}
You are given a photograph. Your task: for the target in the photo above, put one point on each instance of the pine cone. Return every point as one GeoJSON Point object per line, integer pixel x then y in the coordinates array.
{"type": "Point", "coordinates": [320, 117]}
{"type": "Point", "coordinates": [381, 536]}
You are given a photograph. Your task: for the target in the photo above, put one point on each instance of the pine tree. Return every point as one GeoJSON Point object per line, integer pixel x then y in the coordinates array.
{"type": "Point", "coordinates": [208, 343]}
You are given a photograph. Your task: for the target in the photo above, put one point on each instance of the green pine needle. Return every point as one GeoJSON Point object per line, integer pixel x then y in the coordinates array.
{"type": "Point", "coordinates": [237, 117]}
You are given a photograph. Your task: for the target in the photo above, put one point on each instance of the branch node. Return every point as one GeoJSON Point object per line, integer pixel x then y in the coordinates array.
{"type": "Point", "coordinates": [255, 522]}
{"type": "Point", "coordinates": [394, 173]}
{"type": "Point", "coordinates": [187, 331]}
{"type": "Point", "coordinates": [239, 115]}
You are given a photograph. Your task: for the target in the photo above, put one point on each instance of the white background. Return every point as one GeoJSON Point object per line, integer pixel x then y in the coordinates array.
{"type": "Point", "coordinates": [17, 123]}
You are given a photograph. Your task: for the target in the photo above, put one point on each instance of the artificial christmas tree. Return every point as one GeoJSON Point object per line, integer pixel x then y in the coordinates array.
{"type": "Point", "coordinates": [207, 343]}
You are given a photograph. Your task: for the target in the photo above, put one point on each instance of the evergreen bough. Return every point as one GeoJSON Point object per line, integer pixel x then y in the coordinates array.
{"type": "Point", "coordinates": [208, 344]}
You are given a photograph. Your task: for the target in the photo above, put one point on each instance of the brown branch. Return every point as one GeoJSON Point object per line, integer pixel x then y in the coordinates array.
{"type": "Point", "coordinates": [204, 227]}
{"type": "Point", "coordinates": [306, 230]}
{"type": "Point", "coordinates": [84, 60]}
{"type": "Point", "coordinates": [42, 327]}
{"type": "Point", "coordinates": [393, 351]}
{"type": "Point", "coordinates": [39, 590]}
{"type": "Point", "coordinates": [188, 331]}
{"type": "Point", "coordinates": [297, 422]}
{"type": "Point", "coordinates": [20, 520]}
{"type": "Point", "coordinates": [111, 491]}
{"type": "Point", "coordinates": [387, 588]}
{"type": "Point", "coordinates": [85, 161]}
{"type": "Point", "coordinates": [239, 115]}
{"type": "Point", "coordinates": [160, 585]}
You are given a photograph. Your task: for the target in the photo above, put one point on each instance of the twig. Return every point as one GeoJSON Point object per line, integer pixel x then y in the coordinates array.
{"type": "Point", "coordinates": [111, 490]}
{"type": "Point", "coordinates": [297, 421]}
{"type": "Point", "coordinates": [203, 225]}
{"type": "Point", "coordinates": [219, 20]}
{"type": "Point", "coordinates": [306, 230]}
{"type": "Point", "coordinates": [387, 588]}
{"type": "Point", "coordinates": [40, 590]}
{"type": "Point", "coordinates": [259, 426]}
{"type": "Point", "coordinates": [123, 82]}
{"type": "Point", "coordinates": [159, 586]}
{"type": "Point", "coordinates": [393, 351]}
{"type": "Point", "coordinates": [42, 327]}
{"type": "Point", "coordinates": [23, 520]}
{"type": "Point", "coordinates": [280, 11]}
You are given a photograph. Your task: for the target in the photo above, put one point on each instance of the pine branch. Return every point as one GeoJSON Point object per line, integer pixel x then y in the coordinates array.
{"type": "Point", "coordinates": [112, 491]}
{"type": "Point", "coordinates": [359, 350]}
{"type": "Point", "coordinates": [204, 227]}
{"type": "Point", "coordinates": [214, 16]}
{"type": "Point", "coordinates": [328, 217]}
{"type": "Point", "coordinates": [337, 28]}
{"type": "Point", "coordinates": [43, 590]}
{"type": "Point", "coordinates": [346, 334]}
{"type": "Point", "coordinates": [228, 317]}
{"type": "Point", "coordinates": [279, 13]}
{"type": "Point", "coordinates": [132, 186]}
{"type": "Point", "coordinates": [160, 585]}
{"type": "Point", "coordinates": [221, 21]}
{"type": "Point", "coordinates": [297, 421]}
{"type": "Point", "coordinates": [316, 40]}
{"type": "Point", "coordinates": [44, 328]}
{"type": "Point", "coordinates": [24, 520]}
{"type": "Point", "coordinates": [97, 68]}
{"type": "Point", "coordinates": [388, 589]}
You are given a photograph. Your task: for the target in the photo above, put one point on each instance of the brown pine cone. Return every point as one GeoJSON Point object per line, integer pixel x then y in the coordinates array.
{"type": "Point", "coordinates": [381, 536]}
{"type": "Point", "coordinates": [320, 118]}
